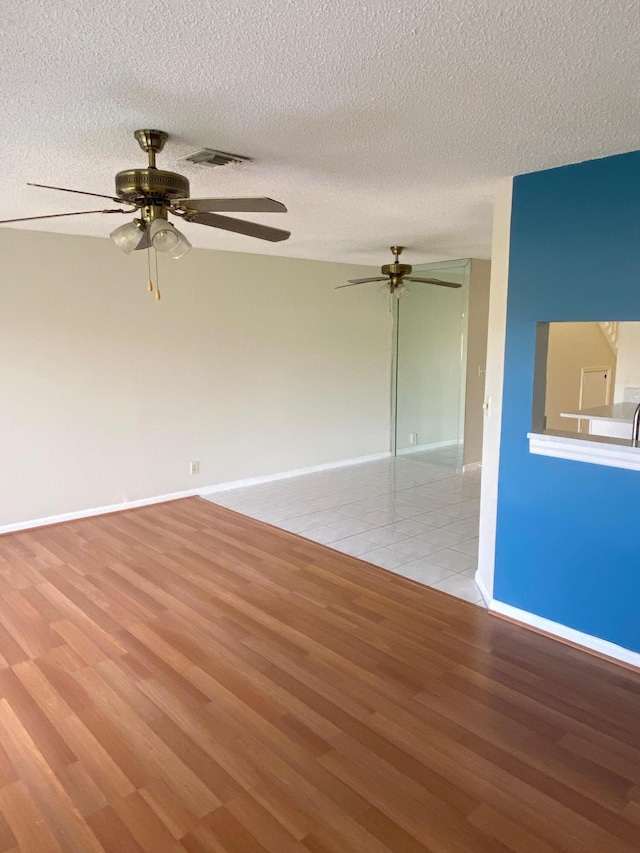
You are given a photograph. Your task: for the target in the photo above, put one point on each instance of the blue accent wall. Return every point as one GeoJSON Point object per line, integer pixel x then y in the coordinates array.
{"type": "Point", "coordinates": [568, 533]}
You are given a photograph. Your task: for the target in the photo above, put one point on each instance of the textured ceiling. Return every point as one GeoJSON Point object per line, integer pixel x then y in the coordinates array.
{"type": "Point", "coordinates": [374, 122]}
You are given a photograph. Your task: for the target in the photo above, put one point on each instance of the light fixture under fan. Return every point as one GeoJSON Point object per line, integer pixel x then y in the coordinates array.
{"type": "Point", "coordinates": [156, 193]}
{"type": "Point", "coordinates": [394, 275]}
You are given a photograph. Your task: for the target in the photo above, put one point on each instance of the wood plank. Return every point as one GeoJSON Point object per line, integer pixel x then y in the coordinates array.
{"type": "Point", "coordinates": [63, 818]}
{"type": "Point", "coordinates": [180, 677]}
{"type": "Point", "coordinates": [27, 825]}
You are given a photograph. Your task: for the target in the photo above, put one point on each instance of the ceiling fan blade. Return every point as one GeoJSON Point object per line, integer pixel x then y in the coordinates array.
{"type": "Point", "coordinates": [232, 205]}
{"type": "Point", "coordinates": [361, 281]}
{"type": "Point", "coordinates": [81, 192]}
{"type": "Point", "coordinates": [433, 281]}
{"type": "Point", "coordinates": [240, 226]}
{"type": "Point", "coordinates": [56, 215]}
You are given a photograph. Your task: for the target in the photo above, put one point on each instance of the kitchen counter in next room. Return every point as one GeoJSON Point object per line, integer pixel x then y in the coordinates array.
{"type": "Point", "coordinates": [614, 420]}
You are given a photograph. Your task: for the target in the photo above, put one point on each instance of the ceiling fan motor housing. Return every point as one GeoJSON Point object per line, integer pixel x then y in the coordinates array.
{"type": "Point", "coordinates": [141, 185]}
{"type": "Point", "coordinates": [151, 185]}
{"type": "Point", "coordinates": [396, 269]}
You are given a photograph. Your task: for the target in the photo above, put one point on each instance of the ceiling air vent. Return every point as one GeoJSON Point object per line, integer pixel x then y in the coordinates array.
{"type": "Point", "coordinates": [211, 157]}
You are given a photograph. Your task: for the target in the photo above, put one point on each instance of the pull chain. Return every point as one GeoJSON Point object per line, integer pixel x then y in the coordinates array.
{"type": "Point", "coordinates": [158, 296]}
{"type": "Point", "coordinates": [150, 282]}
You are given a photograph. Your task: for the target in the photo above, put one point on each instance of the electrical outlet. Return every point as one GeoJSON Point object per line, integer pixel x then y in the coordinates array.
{"type": "Point", "coordinates": [194, 466]}
{"type": "Point", "coordinates": [413, 438]}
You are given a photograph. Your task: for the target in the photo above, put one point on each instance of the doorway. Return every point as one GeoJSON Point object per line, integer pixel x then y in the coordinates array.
{"type": "Point", "coordinates": [595, 390]}
{"type": "Point", "coordinates": [430, 366]}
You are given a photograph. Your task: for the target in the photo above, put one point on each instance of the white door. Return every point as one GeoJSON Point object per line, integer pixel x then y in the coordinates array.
{"type": "Point", "coordinates": [594, 390]}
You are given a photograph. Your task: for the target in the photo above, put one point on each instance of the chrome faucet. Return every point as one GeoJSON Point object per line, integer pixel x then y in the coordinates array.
{"type": "Point", "coordinates": [635, 429]}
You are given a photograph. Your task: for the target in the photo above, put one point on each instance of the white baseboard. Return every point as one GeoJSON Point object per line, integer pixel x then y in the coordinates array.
{"type": "Point", "coordinates": [483, 589]}
{"type": "Point", "coordinates": [98, 510]}
{"type": "Point", "coordinates": [435, 445]}
{"type": "Point", "coordinates": [296, 472]}
{"type": "Point", "coordinates": [578, 638]}
{"type": "Point", "coordinates": [188, 493]}
{"type": "Point", "coordinates": [471, 466]}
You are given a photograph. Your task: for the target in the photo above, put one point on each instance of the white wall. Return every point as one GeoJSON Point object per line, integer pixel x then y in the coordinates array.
{"type": "Point", "coordinates": [250, 364]}
{"type": "Point", "coordinates": [493, 385]}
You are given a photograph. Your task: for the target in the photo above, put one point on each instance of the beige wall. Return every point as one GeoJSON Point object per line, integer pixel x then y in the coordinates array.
{"type": "Point", "coordinates": [250, 364]}
{"type": "Point", "coordinates": [628, 369]}
{"type": "Point", "coordinates": [572, 346]}
{"type": "Point", "coordinates": [478, 312]}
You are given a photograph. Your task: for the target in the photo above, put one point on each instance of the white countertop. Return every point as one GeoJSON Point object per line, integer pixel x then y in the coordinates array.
{"type": "Point", "coordinates": [621, 413]}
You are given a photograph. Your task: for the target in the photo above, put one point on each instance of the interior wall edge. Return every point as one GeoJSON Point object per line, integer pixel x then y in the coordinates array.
{"type": "Point", "coordinates": [496, 338]}
{"type": "Point", "coordinates": [486, 595]}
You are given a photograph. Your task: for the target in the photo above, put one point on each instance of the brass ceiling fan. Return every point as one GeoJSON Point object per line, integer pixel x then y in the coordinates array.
{"type": "Point", "coordinates": [394, 275]}
{"type": "Point", "coordinates": [155, 194]}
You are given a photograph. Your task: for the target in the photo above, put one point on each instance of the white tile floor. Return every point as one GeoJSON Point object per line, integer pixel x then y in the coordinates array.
{"type": "Point", "coordinates": [414, 514]}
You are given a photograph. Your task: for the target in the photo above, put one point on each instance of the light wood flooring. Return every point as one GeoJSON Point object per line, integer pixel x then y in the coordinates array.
{"type": "Point", "coordinates": [183, 678]}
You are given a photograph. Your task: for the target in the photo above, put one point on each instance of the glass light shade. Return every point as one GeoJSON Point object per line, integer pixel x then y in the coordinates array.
{"type": "Point", "coordinates": [182, 248]}
{"type": "Point", "coordinates": [128, 237]}
{"type": "Point", "coordinates": [164, 237]}
{"type": "Point", "coordinates": [400, 289]}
